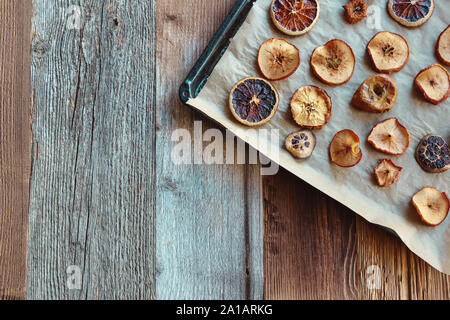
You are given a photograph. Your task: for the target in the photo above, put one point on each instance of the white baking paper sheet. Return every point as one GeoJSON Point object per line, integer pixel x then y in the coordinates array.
{"type": "Point", "coordinates": [354, 187]}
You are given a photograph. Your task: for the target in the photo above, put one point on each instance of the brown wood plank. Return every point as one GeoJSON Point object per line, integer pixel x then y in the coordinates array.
{"type": "Point", "coordinates": [315, 248]}
{"type": "Point", "coordinates": [209, 217]}
{"type": "Point", "coordinates": [15, 144]}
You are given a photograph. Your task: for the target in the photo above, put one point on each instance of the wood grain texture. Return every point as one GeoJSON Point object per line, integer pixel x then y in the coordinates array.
{"type": "Point", "coordinates": [15, 145]}
{"type": "Point", "coordinates": [209, 218]}
{"type": "Point", "coordinates": [315, 248]}
{"type": "Point", "coordinates": [93, 187]}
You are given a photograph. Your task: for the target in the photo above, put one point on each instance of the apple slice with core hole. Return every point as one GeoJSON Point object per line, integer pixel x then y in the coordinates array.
{"type": "Point", "coordinates": [388, 52]}
{"type": "Point", "coordinates": [334, 62]}
{"type": "Point", "coordinates": [443, 46]}
{"type": "Point", "coordinates": [345, 150]}
{"type": "Point", "coordinates": [432, 205]}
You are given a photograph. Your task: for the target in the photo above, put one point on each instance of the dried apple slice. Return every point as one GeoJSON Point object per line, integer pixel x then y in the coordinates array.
{"type": "Point", "coordinates": [334, 62]}
{"type": "Point", "coordinates": [388, 51]}
{"type": "Point", "coordinates": [390, 136]}
{"type": "Point", "coordinates": [294, 17]}
{"type": "Point", "coordinates": [411, 13]}
{"type": "Point", "coordinates": [278, 59]}
{"type": "Point", "coordinates": [387, 173]}
{"type": "Point", "coordinates": [253, 101]}
{"type": "Point", "coordinates": [345, 150]}
{"type": "Point", "coordinates": [432, 205]}
{"type": "Point", "coordinates": [443, 46]}
{"type": "Point", "coordinates": [434, 83]}
{"type": "Point", "coordinates": [311, 107]}
{"type": "Point", "coordinates": [376, 94]}
{"type": "Point", "coordinates": [301, 144]}
{"type": "Point", "coordinates": [355, 11]}
{"type": "Point", "coordinates": [433, 154]}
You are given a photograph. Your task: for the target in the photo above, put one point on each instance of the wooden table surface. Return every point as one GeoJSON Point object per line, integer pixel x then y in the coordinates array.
{"type": "Point", "coordinates": [86, 178]}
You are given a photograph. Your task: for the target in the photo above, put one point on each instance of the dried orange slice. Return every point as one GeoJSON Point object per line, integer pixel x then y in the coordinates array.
{"type": "Point", "coordinates": [376, 94]}
{"type": "Point", "coordinates": [253, 101]}
{"type": "Point", "coordinates": [334, 62]}
{"type": "Point", "coordinates": [278, 59]}
{"type": "Point", "coordinates": [295, 17]}
{"type": "Point", "coordinates": [345, 150]}
{"type": "Point", "coordinates": [443, 46]}
{"type": "Point", "coordinates": [387, 173]}
{"type": "Point", "coordinates": [434, 83]}
{"type": "Point", "coordinates": [432, 205]}
{"type": "Point", "coordinates": [390, 136]}
{"type": "Point", "coordinates": [311, 107]}
{"type": "Point", "coordinates": [388, 51]}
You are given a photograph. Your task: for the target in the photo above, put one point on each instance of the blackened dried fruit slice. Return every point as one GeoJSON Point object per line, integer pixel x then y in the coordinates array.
{"type": "Point", "coordinates": [301, 144]}
{"type": "Point", "coordinates": [387, 173]}
{"type": "Point", "coordinates": [411, 13]}
{"type": "Point", "coordinates": [253, 101]}
{"type": "Point", "coordinates": [433, 154]}
{"type": "Point", "coordinates": [355, 11]}
{"type": "Point", "coordinates": [294, 17]}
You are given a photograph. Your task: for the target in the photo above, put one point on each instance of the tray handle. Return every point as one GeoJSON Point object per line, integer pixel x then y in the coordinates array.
{"type": "Point", "coordinates": [203, 68]}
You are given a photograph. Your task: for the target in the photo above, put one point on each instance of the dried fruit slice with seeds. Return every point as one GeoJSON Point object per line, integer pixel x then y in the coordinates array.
{"type": "Point", "coordinates": [345, 150]}
{"type": "Point", "coordinates": [390, 136]}
{"type": "Point", "coordinates": [311, 107]}
{"type": "Point", "coordinates": [294, 17]}
{"type": "Point", "coordinates": [387, 173]}
{"type": "Point", "coordinates": [411, 13]}
{"type": "Point", "coordinates": [334, 62]}
{"type": "Point", "coordinates": [253, 101]}
{"type": "Point", "coordinates": [388, 51]}
{"type": "Point", "coordinates": [301, 144]}
{"type": "Point", "coordinates": [433, 154]}
{"type": "Point", "coordinates": [376, 94]}
{"type": "Point", "coordinates": [278, 59]}
{"type": "Point", "coordinates": [432, 205]}
{"type": "Point", "coordinates": [434, 83]}
{"type": "Point", "coordinates": [443, 46]}
{"type": "Point", "coordinates": [355, 11]}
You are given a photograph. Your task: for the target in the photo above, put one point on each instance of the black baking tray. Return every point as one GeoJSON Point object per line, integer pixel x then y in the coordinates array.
{"type": "Point", "coordinates": [204, 66]}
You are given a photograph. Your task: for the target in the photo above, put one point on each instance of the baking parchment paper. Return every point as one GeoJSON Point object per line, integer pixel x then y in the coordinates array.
{"type": "Point", "coordinates": [355, 187]}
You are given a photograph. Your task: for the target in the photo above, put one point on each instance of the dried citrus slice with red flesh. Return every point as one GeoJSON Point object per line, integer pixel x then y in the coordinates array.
{"type": "Point", "coordinates": [387, 173]}
{"type": "Point", "coordinates": [253, 101]}
{"type": "Point", "coordinates": [311, 107]}
{"type": "Point", "coordinates": [295, 17]}
{"type": "Point", "coordinates": [345, 150]}
{"type": "Point", "coordinates": [434, 83]}
{"type": "Point", "coordinates": [388, 52]}
{"type": "Point", "coordinates": [411, 13]}
{"type": "Point", "coordinates": [278, 59]}
{"type": "Point", "coordinates": [443, 46]}
{"type": "Point", "coordinates": [390, 136]}
{"type": "Point", "coordinates": [334, 62]}
{"type": "Point", "coordinates": [432, 205]}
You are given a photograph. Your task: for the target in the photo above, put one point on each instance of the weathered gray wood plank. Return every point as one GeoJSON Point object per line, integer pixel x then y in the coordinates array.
{"type": "Point", "coordinates": [92, 187]}
{"type": "Point", "coordinates": [209, 218]}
